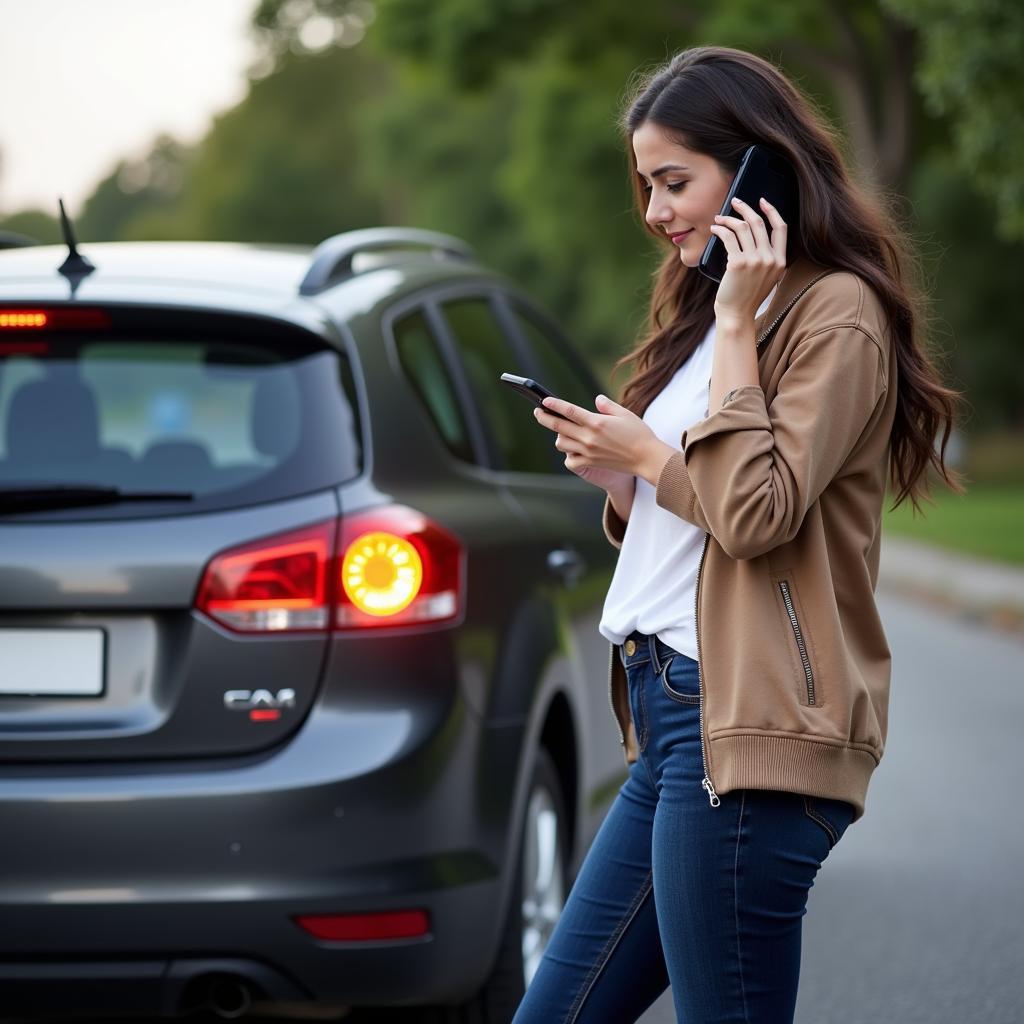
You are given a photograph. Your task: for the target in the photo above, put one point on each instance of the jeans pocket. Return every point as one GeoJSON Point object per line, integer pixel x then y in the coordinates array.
{"type": "Point", "coordinates": [680, 679]}
{"type": "Point", "coordinates": [834, 816]}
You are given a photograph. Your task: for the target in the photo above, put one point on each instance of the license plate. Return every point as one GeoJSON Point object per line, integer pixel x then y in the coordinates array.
{"type": "Point", "coordinates": [51, 662]}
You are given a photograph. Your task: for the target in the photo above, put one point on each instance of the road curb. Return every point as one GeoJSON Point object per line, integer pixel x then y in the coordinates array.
{"type": "Point", "coordinates": [973, 589]}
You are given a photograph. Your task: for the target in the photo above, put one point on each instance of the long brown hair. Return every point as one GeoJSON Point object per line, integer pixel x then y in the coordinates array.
{"type": "Point", "coordinates": [718, 101]}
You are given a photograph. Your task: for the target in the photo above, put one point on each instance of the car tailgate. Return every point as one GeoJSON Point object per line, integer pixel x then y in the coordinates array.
{"type": "Point", "coordinates": [106, 656]}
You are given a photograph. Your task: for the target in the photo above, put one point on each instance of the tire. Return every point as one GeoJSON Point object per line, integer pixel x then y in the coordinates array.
{"type": "Point", "coordinates": [501, 993]}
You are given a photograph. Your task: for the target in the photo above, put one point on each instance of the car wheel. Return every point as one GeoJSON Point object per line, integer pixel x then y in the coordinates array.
{"type": "Point", "coordinates": [543, 860]}
{"type": "Point", "coordinates": [538, 895]}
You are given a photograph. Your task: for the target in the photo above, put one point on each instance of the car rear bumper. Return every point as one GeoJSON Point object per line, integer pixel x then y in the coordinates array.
{"type": "Point", "coordinates": [169, 953]}
{"type": "Point", "coordinates": [144, 873]}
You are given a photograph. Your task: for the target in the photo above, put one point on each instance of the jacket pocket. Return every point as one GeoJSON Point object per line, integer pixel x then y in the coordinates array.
{"type": "Point", "coordinates": [799, 639]}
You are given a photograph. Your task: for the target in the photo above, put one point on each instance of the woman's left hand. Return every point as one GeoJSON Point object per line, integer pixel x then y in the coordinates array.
{"type": "Point", "coordinates": [756, 264]}
{"type": "Point", "coordinates": [614, 438]}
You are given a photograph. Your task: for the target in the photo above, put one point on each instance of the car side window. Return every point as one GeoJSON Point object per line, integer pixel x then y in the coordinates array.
{"type": "Point", "coordinates": [555, 369]}
{"type": "Point", "coordinates": [426, 372]}
{"type": "Point", "coordinates": [525, 446]}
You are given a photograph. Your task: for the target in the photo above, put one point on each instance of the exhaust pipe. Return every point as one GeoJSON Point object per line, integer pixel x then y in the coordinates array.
{"type": "Point", "coordinates": [229, 997]}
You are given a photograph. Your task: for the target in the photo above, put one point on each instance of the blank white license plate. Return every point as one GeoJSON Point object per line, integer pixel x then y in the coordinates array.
{"type": "Point", "coordinates": [51, 662]}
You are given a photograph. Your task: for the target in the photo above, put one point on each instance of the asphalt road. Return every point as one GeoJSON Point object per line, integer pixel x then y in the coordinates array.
{"type": "Point", "coordinates": [916, 916]}
{"type": "Point", "coordinates": [918, 913]}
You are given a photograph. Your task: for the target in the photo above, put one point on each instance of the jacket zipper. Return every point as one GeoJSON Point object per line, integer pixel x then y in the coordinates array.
{"type": "Point", "coordinates": [808, 674]}
{"type": "Point", "coordinates": [706, 782]}
{"type": "Point", "coordinates": [611, 703]}
{"type": "Point", "coordinates": [782, 313]}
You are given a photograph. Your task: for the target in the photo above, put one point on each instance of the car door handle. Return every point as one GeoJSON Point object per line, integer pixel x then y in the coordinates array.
{"type": "Point", "coordinates": [568, 564]}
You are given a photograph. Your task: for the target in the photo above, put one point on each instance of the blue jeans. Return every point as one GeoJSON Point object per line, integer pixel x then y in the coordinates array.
{"type": "Point", "coordinates": [673, 890]}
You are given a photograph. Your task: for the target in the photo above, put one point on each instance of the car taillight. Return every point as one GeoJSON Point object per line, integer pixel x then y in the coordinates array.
{"type": "Point", "coordinates": [397, 567]}
{"type": "Point", "coordinates": [394, 567]}
{"type": "Point", "coordinates": [279, 584]}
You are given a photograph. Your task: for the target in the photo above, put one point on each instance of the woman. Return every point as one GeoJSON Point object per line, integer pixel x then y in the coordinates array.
{"type": "Point", "coordinates": [745, 472]}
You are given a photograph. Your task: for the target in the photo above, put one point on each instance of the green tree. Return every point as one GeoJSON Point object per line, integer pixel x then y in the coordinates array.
{"type": "Point", "coordinates": [974, 279]}
{"type": "Point", "coordinates": [853, 55]}
{"type": "Point", "coordinates": [970, 74]}
{"type": "Point", "coordinates": [34, 224]}
{"type": "Point", "coordinates": [302, 27]}
{"type": "Point", "coordinates": [285, 164]}
{"type": "Point", "coordinates": [136, 190]}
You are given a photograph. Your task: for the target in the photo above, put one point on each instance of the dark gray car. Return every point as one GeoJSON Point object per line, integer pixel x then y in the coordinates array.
{"type": "Point", "coordinates": [302, 697]}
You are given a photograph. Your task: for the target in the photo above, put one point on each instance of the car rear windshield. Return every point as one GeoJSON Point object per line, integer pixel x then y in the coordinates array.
{"type": "Point", "coordinates": [230, 412]}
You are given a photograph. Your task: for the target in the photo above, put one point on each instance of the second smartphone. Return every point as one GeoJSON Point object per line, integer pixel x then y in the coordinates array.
{"type": "Point", "coordinates": [531, 389]}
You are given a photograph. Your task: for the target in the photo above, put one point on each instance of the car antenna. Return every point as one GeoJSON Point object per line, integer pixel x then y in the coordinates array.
{"type": "Point", "coordinates": [76, 267]}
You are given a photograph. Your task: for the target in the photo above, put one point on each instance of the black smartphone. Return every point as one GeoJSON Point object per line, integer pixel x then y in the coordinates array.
{"type": "Point", "coordinates": [762, 172]}
{"type": "Point", "coordinates": [530, 389]}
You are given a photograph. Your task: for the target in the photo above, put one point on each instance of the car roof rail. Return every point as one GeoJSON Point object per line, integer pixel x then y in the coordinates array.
{"type": "Point", "coordinates": [332, 258]}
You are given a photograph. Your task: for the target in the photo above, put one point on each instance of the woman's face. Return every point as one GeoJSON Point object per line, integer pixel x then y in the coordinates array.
{"type": "Point", "coordinates": [685, 189]}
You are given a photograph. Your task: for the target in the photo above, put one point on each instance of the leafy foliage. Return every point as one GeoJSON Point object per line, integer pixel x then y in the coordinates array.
{"type": "Point", "coordinates": [497, 122]}
{"type": "Point", "coordinates": [970, 75]}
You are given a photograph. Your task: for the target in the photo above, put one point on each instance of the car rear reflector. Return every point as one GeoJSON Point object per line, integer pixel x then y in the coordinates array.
{"type": "Point", "coordinates": [55, 319]}
{"type": "Point", "coordinates": [278, 584]}
{"type": "Point", "coordinates": [397, 567]}
{"type": "Point", "coordinates": [392, 924]}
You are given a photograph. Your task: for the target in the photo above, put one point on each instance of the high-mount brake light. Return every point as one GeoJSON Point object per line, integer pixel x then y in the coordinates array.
{"type": "Point", "coordinates": [56, 318]}
{"type": "Point", "coordinates": [22, 319]}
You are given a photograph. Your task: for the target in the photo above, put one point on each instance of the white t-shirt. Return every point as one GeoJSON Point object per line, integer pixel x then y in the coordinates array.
{"type": "Point", "coordinates": [653, 586]}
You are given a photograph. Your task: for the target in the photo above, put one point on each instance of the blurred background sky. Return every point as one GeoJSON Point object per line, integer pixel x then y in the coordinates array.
{"type": "Point", "coordinates": [85, 84]}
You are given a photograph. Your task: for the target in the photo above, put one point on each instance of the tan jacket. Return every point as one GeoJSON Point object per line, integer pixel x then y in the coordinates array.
{"type": "Point", "coordinates": [787, 478]}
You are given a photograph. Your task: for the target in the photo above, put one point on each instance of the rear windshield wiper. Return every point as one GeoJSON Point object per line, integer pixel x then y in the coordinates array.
{"type": "Point", "coordinates": [37, 499]}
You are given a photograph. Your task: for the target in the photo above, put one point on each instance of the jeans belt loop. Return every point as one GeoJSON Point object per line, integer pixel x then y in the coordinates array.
{"type": "Point", "coordinates": [652, 646]}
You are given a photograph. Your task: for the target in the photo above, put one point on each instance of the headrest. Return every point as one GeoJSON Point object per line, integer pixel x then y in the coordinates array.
{"type": "Point", "coordinates": [276, 418]}
{"type": "Point", "coordinates": [52, 420]}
